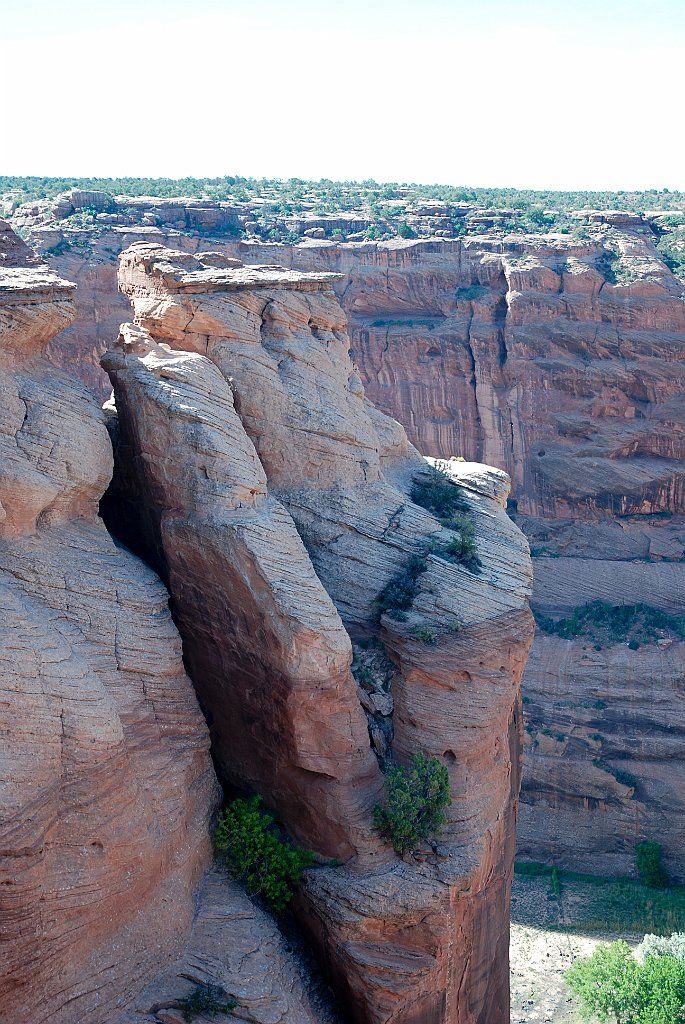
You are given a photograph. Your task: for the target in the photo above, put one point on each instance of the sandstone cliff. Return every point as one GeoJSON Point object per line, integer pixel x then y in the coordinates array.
{"type": "Point", "coordinates": [275, 502]}
{"type": "Point", "coordinates": [561, 361]}
{"type": "Point", "coordinates": [107, 787]}
{"type": "Point", "coordinates": [556, 358]}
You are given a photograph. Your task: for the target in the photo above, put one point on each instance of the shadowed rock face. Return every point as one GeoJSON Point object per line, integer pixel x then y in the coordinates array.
{"type": "Point", "coordinates": [106, 785]}
{"type": "Point", "coordinates": [243, 427]}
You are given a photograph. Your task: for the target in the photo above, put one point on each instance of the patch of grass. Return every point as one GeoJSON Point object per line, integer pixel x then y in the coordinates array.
{"type": "Point", "coordinates": [622, 906]}
{"type": "Point", "coordinates": [531, 869]}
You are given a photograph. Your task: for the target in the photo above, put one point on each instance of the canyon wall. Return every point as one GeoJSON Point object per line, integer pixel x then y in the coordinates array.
{"type": "Point", "coordinates": [275, 501]}
{"type": "Point", "coordinates": [560, 360]}
{"type": "Point", "coordinates": [109, 909]}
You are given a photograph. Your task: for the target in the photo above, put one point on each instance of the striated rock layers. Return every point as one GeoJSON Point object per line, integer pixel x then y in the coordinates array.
{"type": "Point", "coordinates": [562, 361]}
{"type": "Point", "coordinates": [274, 499]}
{"type": "Point", "coordinates": [106, 785]}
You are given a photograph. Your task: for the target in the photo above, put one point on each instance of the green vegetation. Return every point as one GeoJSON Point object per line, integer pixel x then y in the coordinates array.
{"type": "Point", "coordinates": [649, 866]}
{"type": "Point", "coordinates": [425, 634]}
{"type": "Point", "coordinates": [605, 624]}
{"type": "Point", "coordinates": [662, 945]}
{"type": "Point", "coordinates": [404, 231]}
{"type": "Point", "coordinates": [208, 1000]}
{"type": "Point", "coordinates": [439, 494]}
{"type": "Point", "coordinates": [555, 884]}
{"type": "Point", "coordinates": [248, 842]}
{"type": "Point", "coordinates": [416, 798]}
{"type": "Point", "coordinates": [604, 905]}
{"type": "Point", "coordinates": [625, 778]}
{"type": "Point", "coordinates": [613, 986]}
{"type": "Point", "coordinates": [397, 596]}
{"type": "Point", "coordinates": [671, 245]}
{"type": "Point", "coordinates": [58, 248]}
{"type": "Point", "coordinates": [462, 548]}
{"type": "Point", "coordinates": [287, 196]}
{"type": "Point", "coordinates": [472, 293]}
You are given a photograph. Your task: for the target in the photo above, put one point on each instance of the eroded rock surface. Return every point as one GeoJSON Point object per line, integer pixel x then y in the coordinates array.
{"type": "Point", "coordinates": [561, 361]}
{"type": "Point", "coordinates": [106, 785]}
{"type": "Point", "coordinates": [293, 440]}
{"type": "Point", "coordinates": [557, 358]}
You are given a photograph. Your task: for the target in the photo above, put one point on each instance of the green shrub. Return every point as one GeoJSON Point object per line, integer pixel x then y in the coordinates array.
{"type": "Point", "coordinates": [462, 548]}
{"type": "Point", "coordinates": [58, 248]}
{"type": "Point", "coordinates": [612, 985]}
{"type": "Point", "coordinates": [425, 634]}
{"type": "Point", "coordinates": [472, 293]}
{"type": "Point", "coordinates": [404, 231]}
{"type": "Point", "coordinates": [417, 796]}
{"type": "Point", "coordinates": [625, 778]}
{"type": "Point", "coordinates": [207, 1000]}
{"type": "Point", "coordinates": [248, 842]}
{"type": "Point", "coordinates": [397, 596]}
{"type": "Point", "coordinates": [439, 495]}
{"type": "Point", "coordinates": [555, 884]}
{"type": "Point", "coordinates": [649, 866]}
{"type": "Point", "coordinates": [662, 945]}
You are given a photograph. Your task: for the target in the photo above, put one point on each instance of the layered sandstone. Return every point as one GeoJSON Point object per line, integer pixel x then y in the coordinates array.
{"type": "Point", "coordinates": [561, 361]}
{"type": "Point", "coordinates": [243, 427]}
{"type": "Point", "coordinates": [106, 785]}
{"type": "Point", "coordinates": [556, 358]}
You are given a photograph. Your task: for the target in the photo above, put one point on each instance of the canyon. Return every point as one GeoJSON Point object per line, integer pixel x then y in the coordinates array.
{"type": "Point", "coordinates": [249, 474]}
{"type": "Point", "coordinates": [557, 358]}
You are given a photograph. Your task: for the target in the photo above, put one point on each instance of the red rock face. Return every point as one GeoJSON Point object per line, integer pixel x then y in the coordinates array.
{"type": "Point", "coordinates": [107, 788]}
{"type": "Point", "coordinates": [96, 706]}
{"type": "Point", "coordinates": [520, 351]}
{"type": "Point", "coordinates": [231, 477]}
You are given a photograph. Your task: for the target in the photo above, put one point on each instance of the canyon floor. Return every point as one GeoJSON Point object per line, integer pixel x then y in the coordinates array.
{"type": "Point", "coordinates": [549, 930]}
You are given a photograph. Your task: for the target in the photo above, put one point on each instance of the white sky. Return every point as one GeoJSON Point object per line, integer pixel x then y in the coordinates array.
{"type": "Point", "coordinates": [523, 93]}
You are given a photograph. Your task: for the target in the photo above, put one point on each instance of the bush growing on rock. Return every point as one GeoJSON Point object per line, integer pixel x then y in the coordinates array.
{"type": "Point", "coordinates": [438, 494]}
{"type": "Point", "coordinates": [417, 796]}
{"type": "Point", "coordinates": [462, 548]}
{"type": "Point", "coordinates": [247, 841]}
{"type": "Point", "coordinates": [207, 1000]}
{"type": "Point", "coordinates": [396, 597]}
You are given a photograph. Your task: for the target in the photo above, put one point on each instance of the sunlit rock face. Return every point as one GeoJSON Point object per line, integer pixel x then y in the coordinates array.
{"type": "Point", "coordinates": [107, 783]}
{"type": "Point", "coordinates": [562, 362]}
{"type": "Point", "coordinates": [274, 499]}
{"type": "Point", "coordinates": [108, 912]}
{"type": "Point", "coordinates": [558, 359]}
